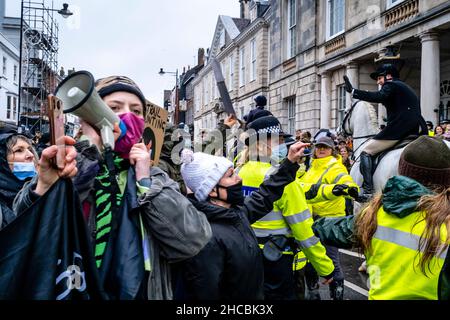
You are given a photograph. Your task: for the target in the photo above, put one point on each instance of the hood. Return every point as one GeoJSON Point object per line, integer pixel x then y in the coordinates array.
{"type": "Point", "coordinates": [215, 213]}
{"type": "Point", "coordinates": [9, 184]}
{"type": "Point", "coordinates": [401, 194]}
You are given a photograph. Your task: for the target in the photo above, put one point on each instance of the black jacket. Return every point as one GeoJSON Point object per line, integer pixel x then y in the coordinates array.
{"type": "Point", "coordinates": [230, 266]}
{"type": "Point", "coordinates": [403, 110]}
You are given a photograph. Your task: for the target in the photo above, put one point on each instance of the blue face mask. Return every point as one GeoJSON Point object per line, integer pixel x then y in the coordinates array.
{"type": "Point", "coordinates": [24, 170]}
{"type": "Point", "coordinates": [279, 152]}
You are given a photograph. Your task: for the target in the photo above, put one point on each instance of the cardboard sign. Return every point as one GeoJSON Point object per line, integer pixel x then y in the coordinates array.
{"type": "Point", "coordinates": [155, 125]}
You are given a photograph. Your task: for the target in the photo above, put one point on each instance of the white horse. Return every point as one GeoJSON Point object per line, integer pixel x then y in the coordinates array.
{"type": "Point", "coordinates": [361, 122]}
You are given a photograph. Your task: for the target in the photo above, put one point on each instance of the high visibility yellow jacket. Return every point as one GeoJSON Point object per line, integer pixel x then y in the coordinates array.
{"type": "Point", "coordinates": [393, 261]}
{"type": "Point", "coordinates": [393, 264]}
{"type": "Point", "coordinates": [329, 171]}
{"type": "Point", "coordinates": [290, 217]}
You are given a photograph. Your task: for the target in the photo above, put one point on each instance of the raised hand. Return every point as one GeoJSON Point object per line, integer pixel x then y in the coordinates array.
{"type": "Point", "coordinates": [348, 86]}
{"type": "Point", "coordinates": [296, 151]}
{"type": "Point", "coordinates": [47, 174]}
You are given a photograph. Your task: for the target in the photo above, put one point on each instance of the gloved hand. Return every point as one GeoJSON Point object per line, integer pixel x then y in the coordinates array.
{"type": "Point", "coordinates": [348, 86]}
{"type": "Point", "coordinates": [340, 190]}
{"type": "Point", "coordinates": [353, 192]}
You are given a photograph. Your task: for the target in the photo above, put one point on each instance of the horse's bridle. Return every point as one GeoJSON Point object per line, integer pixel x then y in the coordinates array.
{"type": "Point", "coordinates": [342, 129]}
{"type": "Point", "coordinates": [346, 134]}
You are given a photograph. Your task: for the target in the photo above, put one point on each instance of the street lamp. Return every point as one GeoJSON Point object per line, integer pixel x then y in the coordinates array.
{"type": "Point", "coordinates": [64, 12]}
{"type": "Point", "coordinates": [177, 103]}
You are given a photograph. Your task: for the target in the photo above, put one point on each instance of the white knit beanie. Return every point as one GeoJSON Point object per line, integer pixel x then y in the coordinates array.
{"type": "Point", "coordinates": [202, 172]}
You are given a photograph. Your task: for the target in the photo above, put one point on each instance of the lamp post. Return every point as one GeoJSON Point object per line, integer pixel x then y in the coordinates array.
{"type": "Point", "coordinates": [65, 12]}
{"type": "Point", "coordinates": [177, 106]}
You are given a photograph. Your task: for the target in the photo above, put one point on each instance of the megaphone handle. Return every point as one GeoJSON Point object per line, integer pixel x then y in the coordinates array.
{"type": "Point", "coordinates": [107, 137]}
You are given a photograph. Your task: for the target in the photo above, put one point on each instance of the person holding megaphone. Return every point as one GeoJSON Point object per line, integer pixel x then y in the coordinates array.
{"type": "Point", "coordinates": [121, 193]}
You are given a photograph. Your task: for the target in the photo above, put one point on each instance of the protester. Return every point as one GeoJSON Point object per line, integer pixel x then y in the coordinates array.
{"type": "Point", "coordinates": [438, 132]}
{"type": "Point", "coordinates": [230, 266]}
{"type": "Point", "coordinates": [18, 161]}
{"type": "Point", "coordinates": [138, 219]}
{"type": "Point", "coordinates": [345, 153]}
{"type": "Point", "coordinates": [403, 231]}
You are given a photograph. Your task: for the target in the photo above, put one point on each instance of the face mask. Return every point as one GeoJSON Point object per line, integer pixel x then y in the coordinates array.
{"type": "Point", "coordinates": [234, 194]}
{"type": "Point", "coordinates": [24, 170]}
{"type": "Point", "coordinates": [279, 152]}
{"type": "Point", "coordinates": [135, 128]}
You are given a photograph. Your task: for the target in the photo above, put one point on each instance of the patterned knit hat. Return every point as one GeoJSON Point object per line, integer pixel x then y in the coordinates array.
{"type": "Point", "coordinates": [202, 172]}
{"type": "Point", "coordinates": [426, 160]}
{"type": "Point", "coordinates": [108, 85]}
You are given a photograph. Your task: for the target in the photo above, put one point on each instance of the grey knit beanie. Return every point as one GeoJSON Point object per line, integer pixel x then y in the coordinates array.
{"type": "Point", "coordinates": [201, 172]}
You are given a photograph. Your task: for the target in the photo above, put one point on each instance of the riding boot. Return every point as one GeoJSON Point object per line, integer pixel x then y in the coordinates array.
{"type": "Point", "coordinates": [337, 290]}
{"type": "Point", "coordinates": [365, 168]}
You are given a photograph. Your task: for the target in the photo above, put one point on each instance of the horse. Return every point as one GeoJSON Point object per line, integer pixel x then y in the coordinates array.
{"type": "Point", "coordinates": [361, 122]}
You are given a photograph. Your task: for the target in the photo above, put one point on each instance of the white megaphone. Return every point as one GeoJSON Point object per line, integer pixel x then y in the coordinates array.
{"type": "Point", "coordinates": [80, 98]}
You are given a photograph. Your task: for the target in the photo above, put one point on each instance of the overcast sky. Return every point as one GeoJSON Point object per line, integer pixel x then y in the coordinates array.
{"type": "Point", "coordinates": [136, 37]}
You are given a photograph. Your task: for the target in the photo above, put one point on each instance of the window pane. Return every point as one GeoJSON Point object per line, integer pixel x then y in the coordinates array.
{"type": "Point", "coordinates": [291, 115]}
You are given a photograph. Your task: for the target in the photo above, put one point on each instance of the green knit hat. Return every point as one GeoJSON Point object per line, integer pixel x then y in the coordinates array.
{"type": "Point", "coordinates": [426, 160]}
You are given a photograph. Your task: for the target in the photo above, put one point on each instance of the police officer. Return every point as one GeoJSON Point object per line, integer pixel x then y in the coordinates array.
{"type": "Point", "coordinates": [287, 229]}
{"type": "Point", "coordinates": [403, 117]}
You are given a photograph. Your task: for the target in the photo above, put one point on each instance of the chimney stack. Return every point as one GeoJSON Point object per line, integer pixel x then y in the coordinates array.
{"type": "Point", "coordinates": [201, 57]}
{"type": "Point", "coordinates": [245, 14]}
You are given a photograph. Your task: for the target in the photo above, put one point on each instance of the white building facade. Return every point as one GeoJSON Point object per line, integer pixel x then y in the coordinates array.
{"type": "Point", "coordinates": [9, 81]}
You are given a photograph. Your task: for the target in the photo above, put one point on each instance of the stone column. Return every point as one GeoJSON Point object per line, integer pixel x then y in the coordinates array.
{"type": "Point", "coordinates": [430, 76]}
{"type": "Point", "coordinates": [353, 75]}
{"type": "Point", "coordinates": [325, 101]}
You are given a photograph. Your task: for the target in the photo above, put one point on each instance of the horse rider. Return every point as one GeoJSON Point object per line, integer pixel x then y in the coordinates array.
{"type": "Point", "coordinates": [403, 117]}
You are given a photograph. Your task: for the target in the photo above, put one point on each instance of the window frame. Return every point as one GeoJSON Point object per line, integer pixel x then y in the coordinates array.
{"type": "Point", "coordinates": [341, 104]}
{"type": "Point", "coordinates": [253, 57]}
{"type": "Point", "coordinates": [5, 69]}
{"type": "Point", "coordinates": [291, 114]}
{"type": "Point", "coordinates": [8, 107]}
{"type": "Point", "coordinates": [15, 73]}
{"type": "Point", "coordinates": [390, 4]}
{"type": "Point", "coordinates": [242, 78]}
{"type": "Point", "coordinates": [231, 73]}
{"type": "Point", "coordinates": [330, 36]}
{"type": "Point", "coordinates": [291, 29]}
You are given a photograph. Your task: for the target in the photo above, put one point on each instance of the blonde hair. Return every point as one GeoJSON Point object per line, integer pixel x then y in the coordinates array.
{"type": "Point", "coordinates": [437, 213]}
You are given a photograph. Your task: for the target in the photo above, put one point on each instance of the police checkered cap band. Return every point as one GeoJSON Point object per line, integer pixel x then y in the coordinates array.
{"type": "Point", "coordinates": [268, 130]}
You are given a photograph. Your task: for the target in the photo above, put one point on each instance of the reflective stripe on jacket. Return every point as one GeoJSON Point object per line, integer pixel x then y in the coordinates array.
{"type": "Point", "coordinates": [393, 264]}
{"type": "Point", "coordinates": [290, 217]}
{"type": "Point", "coordinates": [329, 171]}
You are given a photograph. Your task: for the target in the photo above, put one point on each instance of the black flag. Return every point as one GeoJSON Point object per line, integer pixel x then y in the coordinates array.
{"type": "Point", "coordinates": [226, 100]}
{"type": "Point", "coordinates": [45, 253]}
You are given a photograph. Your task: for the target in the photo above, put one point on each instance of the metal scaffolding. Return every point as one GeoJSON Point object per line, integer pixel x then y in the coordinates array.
{"type": "Point", "coordinates": [39, 62]}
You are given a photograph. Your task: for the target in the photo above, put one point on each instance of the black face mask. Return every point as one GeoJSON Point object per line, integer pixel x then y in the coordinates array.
{"type": "Point", "coordinates": [235, 196]}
